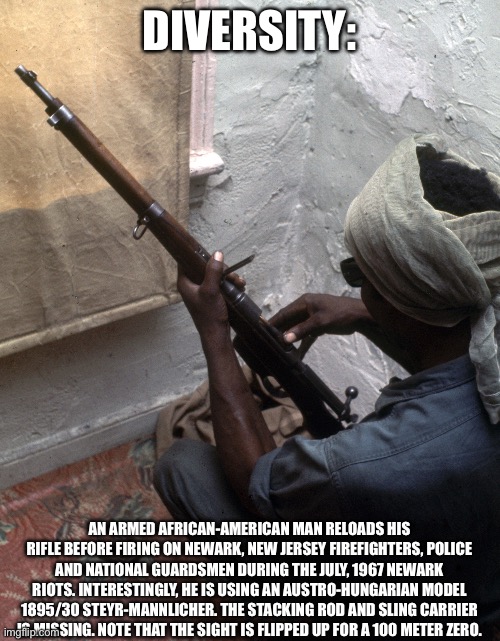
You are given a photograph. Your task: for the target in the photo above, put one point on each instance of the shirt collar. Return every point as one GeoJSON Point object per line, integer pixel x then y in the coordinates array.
{"type": "Point", "coordinates": [429, 381]}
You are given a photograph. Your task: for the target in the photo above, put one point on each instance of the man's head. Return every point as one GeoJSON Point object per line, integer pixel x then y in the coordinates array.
{"type": "Point", "coordinates": [434, 265]}
{"type": "Point", "coordinates": [418, 345]}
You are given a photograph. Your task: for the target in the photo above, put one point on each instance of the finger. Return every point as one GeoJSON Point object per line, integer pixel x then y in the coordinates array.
{"type": "Point", "coordinates": [289, 316]}
{"type": "Point", "coordinates": [181, 277]}
{"type": "Point", "coordinates": [300, 331]}
{"type": "Point", "coordinates": [213, 272]}
{"type": "Point", "coordinates": [237, 280]}
{"type": "Point", "coordinates": [185, 285]}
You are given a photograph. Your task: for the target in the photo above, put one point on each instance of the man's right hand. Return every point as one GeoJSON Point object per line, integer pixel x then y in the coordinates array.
{"type": "Point", "coordinates": [317, 314]}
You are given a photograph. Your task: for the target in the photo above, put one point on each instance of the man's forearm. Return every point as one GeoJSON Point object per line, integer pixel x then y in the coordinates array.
{"type": "Point", "coordinates": [240, 431]}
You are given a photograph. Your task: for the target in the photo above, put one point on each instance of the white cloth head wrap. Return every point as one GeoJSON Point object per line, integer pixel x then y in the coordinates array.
{"type": "Point", "coordinates": [432, 265]}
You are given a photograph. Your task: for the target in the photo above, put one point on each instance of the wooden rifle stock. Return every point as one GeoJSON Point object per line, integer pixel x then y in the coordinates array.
{"type": "Point", "coordinates": [258, 343]}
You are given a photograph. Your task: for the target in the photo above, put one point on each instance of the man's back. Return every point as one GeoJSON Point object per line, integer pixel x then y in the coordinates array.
{"type": "Point", "coordinates": [428, 455]}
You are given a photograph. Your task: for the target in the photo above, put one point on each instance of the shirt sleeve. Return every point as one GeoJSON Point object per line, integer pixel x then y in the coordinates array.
{"type": "Point", "coordinates": [294, 482]}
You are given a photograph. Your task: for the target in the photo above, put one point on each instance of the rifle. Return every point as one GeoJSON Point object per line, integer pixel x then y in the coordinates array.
{"type": "Point", "coordinates": [259, 344]}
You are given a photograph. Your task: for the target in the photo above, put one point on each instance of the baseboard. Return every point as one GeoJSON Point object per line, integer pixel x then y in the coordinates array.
{"type": "Point", "coordinates": [22, 464]}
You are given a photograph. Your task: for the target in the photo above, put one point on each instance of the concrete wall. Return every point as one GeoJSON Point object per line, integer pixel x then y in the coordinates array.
{"type": "Point", "coordinates": [300, 134]}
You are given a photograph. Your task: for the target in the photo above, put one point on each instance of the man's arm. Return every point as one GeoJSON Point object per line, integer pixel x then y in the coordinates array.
{"type": "Point", "coordinates": [241, 434]}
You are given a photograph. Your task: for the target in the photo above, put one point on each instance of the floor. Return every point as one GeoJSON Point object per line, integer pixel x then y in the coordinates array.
{"type": "Point", "coordinates": [115, 485]}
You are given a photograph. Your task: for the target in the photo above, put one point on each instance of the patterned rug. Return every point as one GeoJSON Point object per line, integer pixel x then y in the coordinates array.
{"type": "Point", "coordinates": [114, 485]}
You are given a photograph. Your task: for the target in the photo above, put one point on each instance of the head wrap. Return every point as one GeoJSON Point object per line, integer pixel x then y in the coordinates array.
{"type": "Point", "coordinates": [432, 265]}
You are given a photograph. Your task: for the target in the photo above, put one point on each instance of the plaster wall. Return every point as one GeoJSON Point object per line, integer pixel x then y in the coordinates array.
{"type": "Point", "coordinates": [299, 134]}
{"type": "Point", "coordinates": [420, 67]}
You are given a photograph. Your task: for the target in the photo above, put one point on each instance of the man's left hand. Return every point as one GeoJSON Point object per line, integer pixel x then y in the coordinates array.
{"type": "Point", "coordinates": [205, 302]}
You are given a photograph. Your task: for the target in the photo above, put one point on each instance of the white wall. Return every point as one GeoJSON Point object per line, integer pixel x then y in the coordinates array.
{"type": "Point", "coordinates": [299, 134]}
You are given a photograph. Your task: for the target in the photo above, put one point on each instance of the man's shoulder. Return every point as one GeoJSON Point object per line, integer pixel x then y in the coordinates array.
{"type": "Point", "coordinates": [427, 410]}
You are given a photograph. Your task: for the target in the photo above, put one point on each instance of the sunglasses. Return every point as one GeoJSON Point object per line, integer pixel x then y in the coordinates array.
{"type": "Point", "coordinates": [351, 272]}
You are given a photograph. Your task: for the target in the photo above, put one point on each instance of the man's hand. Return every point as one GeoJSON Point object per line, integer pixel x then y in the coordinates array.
{"type": "Point", "coordinates": [312, 315]}
{"type": "Point", "coordinates": [205, 302]}
{"type": "Point", "coordinates": [317, 314]}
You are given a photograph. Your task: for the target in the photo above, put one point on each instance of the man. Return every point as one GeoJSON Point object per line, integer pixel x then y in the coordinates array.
{"type": "Point", "coordinates": [424, 236]}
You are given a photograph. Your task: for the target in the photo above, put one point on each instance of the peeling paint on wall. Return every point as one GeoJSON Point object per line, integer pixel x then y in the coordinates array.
{"type": "Point", "coordinates": [387, 68]}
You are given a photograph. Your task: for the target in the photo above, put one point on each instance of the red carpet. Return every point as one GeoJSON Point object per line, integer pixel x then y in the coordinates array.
{"type": "Point", "coordinates": [115, 485]}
